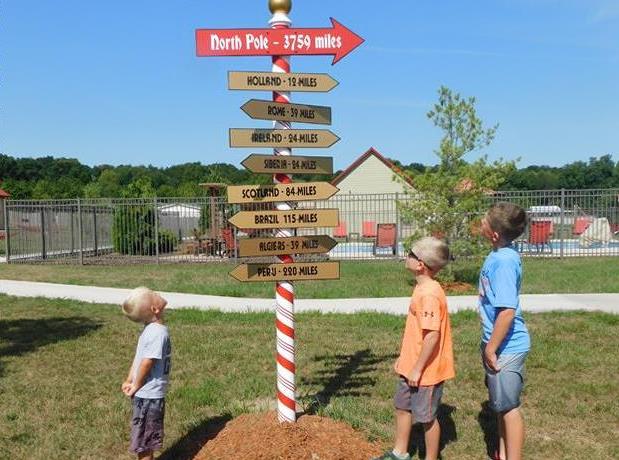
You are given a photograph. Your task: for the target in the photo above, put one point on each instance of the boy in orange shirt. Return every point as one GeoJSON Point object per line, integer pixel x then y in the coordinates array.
{"type": "Point", "coordinates": [426, 356]}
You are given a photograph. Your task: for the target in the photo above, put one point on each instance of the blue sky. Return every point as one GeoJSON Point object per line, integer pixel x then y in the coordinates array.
{"type": "Point", "coordinates": [118, 82]}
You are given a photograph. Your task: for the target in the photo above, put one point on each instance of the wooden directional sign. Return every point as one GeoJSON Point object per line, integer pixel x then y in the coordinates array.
{"type": "Point", "coordinates": [300, 271]}
{"type": "Point", "coordinates": [273, 81]}
{"type": "Point", "coordinates": [299, 113]}
{"type": "Point", "coordinates": [301, 191]}
{"type": "Point", "coordinates": [292, 138]}
{"type": "Point", "coordinates": [288, 164]}
{"type": "Point", "coordinates": [298, 218]}
{"type": "Point", "coordinates": [336, 40]}
{"type": "Point", "coordinates": [257, 247]}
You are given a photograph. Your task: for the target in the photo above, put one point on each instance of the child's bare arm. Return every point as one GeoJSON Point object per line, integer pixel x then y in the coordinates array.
{"type": "Point", "coordinates": [502, 324]}
{"type": "Point", "coordinates": [143, 369]}
{"type": "Point", "coordinates": [126, 385]}
{"type": "Point", "coordinates": [430, 341]}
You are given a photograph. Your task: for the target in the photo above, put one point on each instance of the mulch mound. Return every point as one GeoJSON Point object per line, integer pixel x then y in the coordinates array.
{"type": "Point", "coordinates": [262, 437]}
{"type": "Point", "coordinates": [457, 287]}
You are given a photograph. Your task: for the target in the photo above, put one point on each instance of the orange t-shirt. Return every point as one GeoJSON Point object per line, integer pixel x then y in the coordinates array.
{"type": "Point", "coordinates": [427, 311]}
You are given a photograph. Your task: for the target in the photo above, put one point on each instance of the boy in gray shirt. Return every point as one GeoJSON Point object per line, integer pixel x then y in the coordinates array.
{"type": "Point", "coordinates": [149, 374]}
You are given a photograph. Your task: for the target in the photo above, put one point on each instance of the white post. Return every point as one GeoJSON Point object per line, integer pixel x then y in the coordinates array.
{"type": "Point", "coordinates": [284, 290]}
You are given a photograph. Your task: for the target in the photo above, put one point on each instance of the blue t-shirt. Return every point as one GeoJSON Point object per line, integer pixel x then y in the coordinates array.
{"type": "Point", "coordinates": [154, 343]}
{"type": "Point", "coordinates": [499, 287]}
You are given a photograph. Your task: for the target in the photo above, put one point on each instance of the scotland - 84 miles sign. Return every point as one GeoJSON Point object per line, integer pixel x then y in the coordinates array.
{"type": "Point", "coordinates": [302, 191]}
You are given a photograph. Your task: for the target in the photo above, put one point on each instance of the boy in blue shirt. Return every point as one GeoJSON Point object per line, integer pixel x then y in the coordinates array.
{"type": "Point", "coordinates": [505, 340]}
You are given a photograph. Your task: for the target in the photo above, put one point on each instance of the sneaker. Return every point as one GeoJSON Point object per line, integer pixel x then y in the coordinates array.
{"type": "Point", "coordinates": [389, 455]}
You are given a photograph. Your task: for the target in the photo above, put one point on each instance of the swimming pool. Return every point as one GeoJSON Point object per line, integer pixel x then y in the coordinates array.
{"type": "Point", "coordinates": [571, 247]}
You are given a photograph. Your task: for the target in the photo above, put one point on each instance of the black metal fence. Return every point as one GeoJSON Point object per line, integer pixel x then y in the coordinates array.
{"type": "Point", "coordinates": [563, 223]}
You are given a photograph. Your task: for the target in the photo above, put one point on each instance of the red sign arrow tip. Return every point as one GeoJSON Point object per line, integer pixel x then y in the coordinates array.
{"type": "Point", "coordinates": [350, 40]}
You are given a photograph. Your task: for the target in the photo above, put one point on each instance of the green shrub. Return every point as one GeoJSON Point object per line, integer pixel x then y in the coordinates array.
{"type": "Point", "coordinates": [133, 231]}
{"type": "Point", "coordinates": [167, 241]}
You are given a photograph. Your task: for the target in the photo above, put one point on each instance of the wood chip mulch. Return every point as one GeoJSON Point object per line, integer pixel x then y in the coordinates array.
{"type": "Point", "coordinates": [262, 437]}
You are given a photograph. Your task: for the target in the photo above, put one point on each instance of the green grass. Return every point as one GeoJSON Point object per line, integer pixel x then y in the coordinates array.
{"type": "Point", "coordinates": [62, 362]}
{"type": "Point", "coordinates": [358, 279]}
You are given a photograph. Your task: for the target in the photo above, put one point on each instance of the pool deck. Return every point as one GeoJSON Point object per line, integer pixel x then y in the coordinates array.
{"type": "Point", "coordinates": [392, 305]}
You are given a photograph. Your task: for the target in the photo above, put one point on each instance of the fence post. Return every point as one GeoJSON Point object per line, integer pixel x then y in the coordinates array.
{"type": "Point", "coordinates": [80, 238]}
{"type": "Point", "coordinates": [94, 226]}
{"type": "Point", "coordinates": [397, 222]}
{"type": "Point", "coordinates": [156, 229]}
{"type": "Point", "coordinates": [43, 249]}
{"type": "Point", "coordinates": [562, 222]}
{"type": "Point", "coordinates": [72, 226]}
{"type": "Point", "coordinates": [7, 233]}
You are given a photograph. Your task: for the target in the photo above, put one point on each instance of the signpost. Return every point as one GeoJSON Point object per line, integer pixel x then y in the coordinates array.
{"type": "Point", "coordinates": [272, 81]}
{"type": "Point", "coordinates": [261, 247]}
{"type": "Point", "coordinates": [295, 218]}
{"type": "Point", "coordinates": [276, 164]}
{"type": "Point", "coordinates": [301, 191]}
{"type": "Point", "coordinates": [301, 113]}
{"type": "Point", "coordinates": [298, 271]}
{"type": "Point", "coordinates": [280, 42]}
{"type": "Point", "coordinates": [287, 138]}
{"type": "Point", "coordinates": [336, 40]}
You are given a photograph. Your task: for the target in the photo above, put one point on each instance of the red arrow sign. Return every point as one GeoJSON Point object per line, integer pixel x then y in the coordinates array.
{"type": "Point", "coordinates": [336, 40]}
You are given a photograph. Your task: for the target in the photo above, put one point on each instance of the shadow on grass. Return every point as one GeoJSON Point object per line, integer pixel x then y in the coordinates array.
{"type": "Point", "coordinates": [345, 375]}
{"type": "Point", "coordinates": [488, 423]}
{"type": "Point", "coordinates": [448, 432]}
{"type": "Point", "coordinates": [21, 336]}
{"type": "Point", "coordinates": [189, 445]}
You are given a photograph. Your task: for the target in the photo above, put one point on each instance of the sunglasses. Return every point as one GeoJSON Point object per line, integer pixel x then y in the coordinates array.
{"type": "Point", "coordinates": [411, 254]}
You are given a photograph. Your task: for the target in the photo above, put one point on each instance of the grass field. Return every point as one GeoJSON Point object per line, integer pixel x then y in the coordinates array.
{"type": "Point", "coordinates": [62, 362]}
{"type": "Point", "coordinates": [358, 279]}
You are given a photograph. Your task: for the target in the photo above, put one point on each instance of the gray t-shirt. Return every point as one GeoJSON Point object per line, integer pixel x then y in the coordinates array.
{"type": "Point", "coordinates": [154, 343]}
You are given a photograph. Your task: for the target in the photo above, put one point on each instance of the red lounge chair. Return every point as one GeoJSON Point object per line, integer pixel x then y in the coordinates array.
{"type": "Point", "coordinates": [368, 229]}
{"type": "Point", "coordinates": [340, 231]}
{"type": "Point", "coordinates": [539, 234]}
{"type": "Point", "coordinates": [581, 224]}
{"type": "Point", "coordinates": [386, 237]}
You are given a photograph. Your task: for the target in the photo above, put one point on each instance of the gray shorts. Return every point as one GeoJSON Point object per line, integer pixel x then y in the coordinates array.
{"type": "Point", "coordinates": [505, 386]}
{"type": "Point", "coordinates": [147, 425]}
{"type": "Point", "coordinates": [422, 401]}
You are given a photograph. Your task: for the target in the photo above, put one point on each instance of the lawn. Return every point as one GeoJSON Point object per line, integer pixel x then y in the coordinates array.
{"type": "Point", "coordinates": [358, 279]}
{"type": "Point", "coordinates": [62, 362]}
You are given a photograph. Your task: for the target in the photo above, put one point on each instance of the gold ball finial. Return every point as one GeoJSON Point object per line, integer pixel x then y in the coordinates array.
{"type": "Point", "coordinates": [280, 6]}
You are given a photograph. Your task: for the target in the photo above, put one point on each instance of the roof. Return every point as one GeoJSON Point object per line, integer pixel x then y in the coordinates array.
{"type": "Point", "coordinates": [4, 194]}
{"type": "Point", "coordinates": [361, 160]}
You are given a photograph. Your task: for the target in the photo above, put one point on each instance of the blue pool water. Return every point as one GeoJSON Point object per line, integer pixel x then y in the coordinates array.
{"type": "Point", "coordinates": [363, 249]}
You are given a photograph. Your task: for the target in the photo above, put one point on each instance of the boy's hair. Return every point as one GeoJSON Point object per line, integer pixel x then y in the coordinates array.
{"type": "Point", "coordinates": [134, 306]}
{"type": "Point", "coordinates": [432, 252]}
{"type": "Point", "coordinates": [507, 219]}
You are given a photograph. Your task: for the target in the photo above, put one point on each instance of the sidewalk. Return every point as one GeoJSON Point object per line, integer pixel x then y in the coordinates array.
{"type": "Point", "coordinates": [393, 305]}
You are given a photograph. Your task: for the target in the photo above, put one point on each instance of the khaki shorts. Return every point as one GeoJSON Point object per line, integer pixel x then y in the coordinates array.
{"type": "Point", "coordinates": [421, 401]}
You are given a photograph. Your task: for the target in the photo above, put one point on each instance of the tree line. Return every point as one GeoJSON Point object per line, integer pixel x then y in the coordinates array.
{"type": "Point", "coordinates": [58, 178]}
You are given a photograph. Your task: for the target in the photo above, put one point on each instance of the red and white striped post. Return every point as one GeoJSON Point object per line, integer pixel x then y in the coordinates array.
{"type": "Point", "coordinates": [284, 291]}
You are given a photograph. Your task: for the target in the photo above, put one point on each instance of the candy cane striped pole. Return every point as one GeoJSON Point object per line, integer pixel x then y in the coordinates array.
{"type": "Point", "coordinates": [284, 291]}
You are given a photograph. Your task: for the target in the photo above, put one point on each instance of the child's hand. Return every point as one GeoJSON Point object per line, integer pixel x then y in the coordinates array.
{"type": "Point", "coordinates": [491, 359]}
{"type": "Point", "coordinates": [133, 389]}
{"type": "Point", "coordinates": [126, 386]}
{"type": "Point", "coordinates": [414, 377]}
{"type": "Point", "coordinates": [395, 365]}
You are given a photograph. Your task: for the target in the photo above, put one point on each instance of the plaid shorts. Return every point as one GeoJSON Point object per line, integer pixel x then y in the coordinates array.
{"type": "Point", "coordinates": [147, 425]}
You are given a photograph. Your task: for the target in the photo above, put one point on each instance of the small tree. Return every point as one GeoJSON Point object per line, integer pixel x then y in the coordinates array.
{"type": "Point", "coordinates": [447, 200]}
